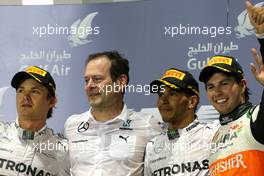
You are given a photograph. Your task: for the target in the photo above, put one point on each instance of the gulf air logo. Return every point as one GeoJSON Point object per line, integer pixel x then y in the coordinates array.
{"type": "Point", "coordinates": [219, 60]}
{"type": "Point", "coordinates": [175, 74]}
{"type": "Point", "coordinates": [36, 71]}
{"type": "Point", "coordinates": [81, 30]}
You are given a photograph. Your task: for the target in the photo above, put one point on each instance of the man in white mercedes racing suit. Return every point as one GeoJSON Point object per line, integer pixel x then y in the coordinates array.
{"type": "Point", "coordinates": [108, 139]}
{"type": "Point", "coordinates": [183, 147]}
{"type": "Point", "coordinates": [27, 146]}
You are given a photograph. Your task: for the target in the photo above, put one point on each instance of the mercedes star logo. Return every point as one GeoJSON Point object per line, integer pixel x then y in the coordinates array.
{"type": "Point", "coordinates": [83, 127]}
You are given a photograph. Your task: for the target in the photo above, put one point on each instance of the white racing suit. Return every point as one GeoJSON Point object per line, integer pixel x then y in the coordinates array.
{"type": "Point", "coordinates": [186, 154]}
{"type": "Point", "coordinates": [45, 155]}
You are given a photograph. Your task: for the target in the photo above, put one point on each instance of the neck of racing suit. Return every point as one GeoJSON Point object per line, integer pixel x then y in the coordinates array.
{"type": "Point", "coordinates": [235, 114]}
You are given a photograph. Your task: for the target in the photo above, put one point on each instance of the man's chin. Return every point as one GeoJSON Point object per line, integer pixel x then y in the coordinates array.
{"type": "Point", "coordinates": [166, 118]}
{"type": "Point", "coordinates": [94, 102]}
{"type": "Point", "coordinates": [222, 110]}
{"type": "Point", "coordinates": [26, 117]}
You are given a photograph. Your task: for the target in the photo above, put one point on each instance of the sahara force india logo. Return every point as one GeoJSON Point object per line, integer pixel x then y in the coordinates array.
{"type": "Point", "coordinates": [12, 166]}
{"type": "Point", "coordinates": [226, 140]}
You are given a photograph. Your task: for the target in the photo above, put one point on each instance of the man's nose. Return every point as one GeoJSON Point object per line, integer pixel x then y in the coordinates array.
{"type": "Point", "coordinates": [218, 90]}
{"type": "Point", "coordinates": [163, 98]}
{"type": "Point", "coordinates": [90, 84]}
{"type": "Point", "coordinates": [26, 96]}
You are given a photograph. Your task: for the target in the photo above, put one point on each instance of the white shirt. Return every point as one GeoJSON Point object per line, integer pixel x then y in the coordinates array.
{"type": "Point", "coordinates": [112, 148]}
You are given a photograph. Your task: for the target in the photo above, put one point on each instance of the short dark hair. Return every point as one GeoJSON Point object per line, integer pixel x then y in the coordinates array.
{"type": "Point", "coordinates": [50, 95]}
{"type": "Point", "coordinates": [119, 64]}
{"type": "Point", "coordinates": [247, 91]}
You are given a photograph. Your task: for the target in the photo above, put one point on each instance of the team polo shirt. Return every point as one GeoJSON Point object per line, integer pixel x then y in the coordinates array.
{"type": "Point", "coordinates": [115, 147]}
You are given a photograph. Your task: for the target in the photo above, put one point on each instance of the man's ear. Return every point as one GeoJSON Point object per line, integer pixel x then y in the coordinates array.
{"type": "Point", "coordinates": [53, 101]}
{"type": "Point", "coordinates": [122, 81]}
{"type": "Point", "coordinates": [193, 101]}
{"type": "Point", "coordinates": [243, 85]}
